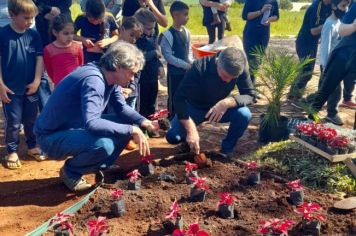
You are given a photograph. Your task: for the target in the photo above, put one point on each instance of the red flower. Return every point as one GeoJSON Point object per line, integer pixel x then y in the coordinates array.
{"type": "Point", "coordinates": [190, 166]}
{"type": "Point", "coordinates": [199, 182]}
{"type": "Point", "coordinates": [252, 165]}
{"type": "Point", "coordinates": [194, 230]}
{"type": "Point", "coordinates": [97, 227]}
{"type": "Point", "coordinates": [179, 232]}
{"type": "Point", "coordinates": [326, 133]}
{"type": "Point", "coordinates": [62, 220]}
{"type": "Point", "coordinates": [310, 129]}
{"type": "Point", "coordinates": [339, 142]}
{"type": "Point", "coordinates": [309, 211]}
{"type": "Point", "coordinates": [134, 175]}
{"type": "Point", "coordinates": [159, 114]}
{"type": "Point", "coordinates": [117, 194]}
{"type": "Point", "coordinates": [275, 226]}
{"type": "Point", "coordinates": [147, 159]}
{"type": "Point", "coordinates": [295, 185]}
{"type": "Point", "coordinates": [226, 198]}
{"type": "Point", "coordinates": [175, 211]}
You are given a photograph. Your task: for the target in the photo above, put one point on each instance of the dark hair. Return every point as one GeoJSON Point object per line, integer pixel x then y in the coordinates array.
{"type": "Point", "coordinates": [144, 16]}
{"type": "Point", "coordinates": [95, 9]}
{"type": "Point", "coordinates": [337, 2]}
{"type": "Point", "coordinates": [58, 23]}
{"type": "Point", "coordinates": [178, 6]}
{"type": "Point", "coordinates": [131, 23]}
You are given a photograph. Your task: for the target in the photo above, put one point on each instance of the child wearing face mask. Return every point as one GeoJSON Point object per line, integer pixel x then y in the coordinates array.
{"type": "Point", "coordinates": [329, 39]}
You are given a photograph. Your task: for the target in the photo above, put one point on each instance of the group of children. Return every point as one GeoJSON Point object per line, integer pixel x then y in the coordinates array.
{"type": "Point", "coordinates": [23, 60]}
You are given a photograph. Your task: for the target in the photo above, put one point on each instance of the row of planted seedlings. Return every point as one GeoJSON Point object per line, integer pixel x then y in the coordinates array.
{"type": "Point", "coordinates": [311, 217]}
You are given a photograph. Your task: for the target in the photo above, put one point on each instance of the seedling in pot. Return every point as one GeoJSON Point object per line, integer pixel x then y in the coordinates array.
{"type": "Point", "coordinates": [190, 172]}
{"type": "Point", "coordinates": [60, 224]}
{"type": "Point", "coordinates": [193, 230]}
{"type": "Point", "coordinates": [274, 227]}
{"type": "Point", "coordinates": [254, 177]}
{"type": "Point", "coordinates": [198, 190]}
{"type": "Point", "coordinates": [311, 217]}
{"type": "Point", "coordinates": [97, 227]}
{"type": "Point", "coordinates": [226, 205]}
{"type": "Point", "coordinates": [134, 181]}
{"type": "Point", "coordinates": [296, 197]}
{"type": "Point", "coordinates": [161, 117]}
{"type": "Point", "coordinates": [118, 206]}
{"type": "Point", "coordinates": [146, 167]}
{"type": "Point", "coordinates": [339, 145]}
{"type": "Point", "coordinates": [174, 219]}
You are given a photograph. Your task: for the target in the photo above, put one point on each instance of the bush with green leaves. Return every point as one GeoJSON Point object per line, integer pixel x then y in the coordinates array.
{"type": "Point", "coordinates": [285, 4]}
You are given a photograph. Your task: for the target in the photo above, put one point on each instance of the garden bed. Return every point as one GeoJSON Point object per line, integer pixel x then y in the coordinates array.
{"type": "Point", "coordinates": [147, 207]}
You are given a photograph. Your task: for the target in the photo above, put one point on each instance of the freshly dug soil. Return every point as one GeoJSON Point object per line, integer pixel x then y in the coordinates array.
{"type": "Point", "coordinates": [147, 207]}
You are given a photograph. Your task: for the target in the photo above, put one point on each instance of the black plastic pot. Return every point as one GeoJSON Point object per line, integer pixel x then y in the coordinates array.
{"type": "Point", "coordinates": [197, 195]}
{"type": "Point", "coordinates": [311, 227]}
{"type": "Point", "coordinates": [146, 169]}
{"type": "Point", "coordinates": [134, 185]}
{"type": "Point", "coordinates": [59, 231]}
{"type": "Point", "coordinates": [170, 226]}
{"type": "Point", "coordinates": [226, 211]}
{"type": "Point", "coordinates": [254, 178]}
{"type": "Point", "coordinates": [194, 173]}
{"type": "Point", "coordinates": [296, 197]}
{"type": "Point", "coordinates": [118, 208]}
{"type": "Point", "coordinates": [274, 134]}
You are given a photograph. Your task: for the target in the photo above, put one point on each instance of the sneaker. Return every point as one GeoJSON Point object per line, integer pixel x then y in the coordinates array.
{"type": "Point", "coordinates": [336, 120]}
{"type": "Point", "coordinates": [75, 185]}
{"type": "Point", "coordinates": [349, 104]}
{"type": "Point", "coordinates": [226, 155]}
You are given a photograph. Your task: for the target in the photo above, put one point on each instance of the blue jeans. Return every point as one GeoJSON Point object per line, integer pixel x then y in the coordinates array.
{"type": "Point", "coordinates": [44, 91]}
{"type": "Point", "coordinates": [22, 109]}
{"type": "Point", "coordinates": [131, 101]}
{"type": "Point", "coordinates": [239, 117]}
{"type": "Point", "coordinates": [90, 152]}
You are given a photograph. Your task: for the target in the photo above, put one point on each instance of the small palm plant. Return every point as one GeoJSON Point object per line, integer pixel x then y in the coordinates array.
{"type": "Point", "coordinates": [277, 71]}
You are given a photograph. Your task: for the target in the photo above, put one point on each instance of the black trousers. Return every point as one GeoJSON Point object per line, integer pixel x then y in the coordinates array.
{"type": "Point", "coordinates": [173, 84]}
{"type": "Point", "coordinates": [148, 97]}
{"type": "Point", "coordinates": [211, 29]}
{"type": "Point", "coordinates": [339, 67]}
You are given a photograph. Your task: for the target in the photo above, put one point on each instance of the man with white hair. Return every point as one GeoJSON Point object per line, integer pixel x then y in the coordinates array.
{"type": "Point", "coordinates": [204, 95]}
{"type": "Point", "coordinates": [72, 123]}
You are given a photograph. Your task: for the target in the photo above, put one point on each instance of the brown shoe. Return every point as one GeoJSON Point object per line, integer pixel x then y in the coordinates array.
{"type": "Point", "coordinates": [228, 26]}
{"type": "Point", "coordinates": [216, 19]}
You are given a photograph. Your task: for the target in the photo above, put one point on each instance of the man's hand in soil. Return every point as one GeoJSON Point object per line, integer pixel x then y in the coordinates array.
{"type": "Point", "coordinates": [4, 90]}
{"type": "Point", "coordinates": [140, 139]}
{"type": "Point", "coordinates": [218, 110]}
{"type": "Point", "coordinates": [192, 135]}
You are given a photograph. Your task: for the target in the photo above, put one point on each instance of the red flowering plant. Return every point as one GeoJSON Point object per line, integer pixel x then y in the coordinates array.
{"type": "Point", "coordinates": [189, 167]}
{"type": "Point", "coordinates": [275, 226]}
{"type": "Point", "coordinates": [61, 219]}
{"type": "Point", "coordinates": [339, 142]}
{"type": "Point", "coordinates": [147, 159]}
{"type": "Point", "coordinates": [199, 183]}
{"type": "Point", "coordinates": [310, 212]}
{"type": "Point", "coordinates": [252, 165]}
{"type": "Point", "coordinates": [309, 129]}
{"type": "Point", "coordinates": [193, 230]}
{"type": "Point", "coordinates": [97, 227]}
{"type": "Point", "coordinates": [226, 199]}
{"type": "Point", "coordinates": [117, 194]}
{"type": "Point", "coordinates": [159, 114]}
{"type": "Point", "coordinates": [326, 134]}
{"type": "Point", "coordinates": [295, 185]}
{"type": "Point", "coordinates": [134, 175]}
{"type": "Point", "coordinates": [174, 211]}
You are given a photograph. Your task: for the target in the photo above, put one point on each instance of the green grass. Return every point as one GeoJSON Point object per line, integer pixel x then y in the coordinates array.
{"type": "Point", "coordinates": [288, 25]}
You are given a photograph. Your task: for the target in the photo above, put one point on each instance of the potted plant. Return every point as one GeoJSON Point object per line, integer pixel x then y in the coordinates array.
{"type": "Point", "coordinates": [199, 189]}
{"type": "Point", "coordinates": [339, 145]}
{"type": "Point", "coordinates": [97, 227]}
{"type": "Point", "coordinates": [309, 132]}
{"type": "Point", "coordinates": [254, 177]}
{"type": "Point", "coordinates": [134, 181]}
{"type": "Point", "coordinates": [60, 224]}
{"type": "Point", "coordinates": [146, 167]}
{"type": "Point", "coordinates": [277, 71]}
{"type": "Point", "coordinates": [174, 219]}
{"type": "Point", "coordinates": [297, 195]}
{"type": "Point", "coordinates": [190, 172]}
{"type": "Point", "coordinates": [226, 205]}
{"type": "Point", "coordinates": [275, 227]}
{"type": "Point", "coordinates": [118, 206]}
{"type": "Point", "coordinates": [193, 230]}
{"type": "Point", "coordinates": [324, 136]}
{"type": "Point", "coordinates": [161, 117]}
{"type": "Point", "coordinates": [311, 217]}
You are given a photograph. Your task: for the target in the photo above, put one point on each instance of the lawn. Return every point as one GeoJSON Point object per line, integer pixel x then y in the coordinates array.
{"type": "Point", "coordinates": [288, 25]}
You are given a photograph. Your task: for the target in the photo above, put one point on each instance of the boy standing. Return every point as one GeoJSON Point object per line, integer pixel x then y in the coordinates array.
{"type": "Point", "coordinates": [21, 69]}
{"type": "Point", "coordinates": [175, 44]}
{"type": "Point", "coordinates": [148, 89]}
